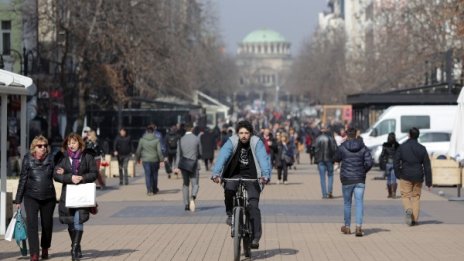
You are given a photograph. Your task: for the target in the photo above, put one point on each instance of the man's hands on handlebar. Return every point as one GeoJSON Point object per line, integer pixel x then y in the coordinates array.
{"type": "Point", "coordinates": [216, 179]}
{"type": "Point", "coordinates": [262, 180]}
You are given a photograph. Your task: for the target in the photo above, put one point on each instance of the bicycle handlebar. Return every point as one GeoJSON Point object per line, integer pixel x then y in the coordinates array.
{"type": "Point", "coordinates": [238, 179]}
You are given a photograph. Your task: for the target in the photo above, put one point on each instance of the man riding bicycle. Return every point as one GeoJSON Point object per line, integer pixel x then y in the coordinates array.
{"type": "Point", "coordinates": [244, 156]}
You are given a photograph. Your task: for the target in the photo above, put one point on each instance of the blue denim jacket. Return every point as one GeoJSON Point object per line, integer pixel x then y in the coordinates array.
{"type": "Point", "coordinates": [263, 168]}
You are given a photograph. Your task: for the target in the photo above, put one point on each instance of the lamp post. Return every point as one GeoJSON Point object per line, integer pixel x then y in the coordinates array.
{"type": "Point", "coordinates": [8, 52]}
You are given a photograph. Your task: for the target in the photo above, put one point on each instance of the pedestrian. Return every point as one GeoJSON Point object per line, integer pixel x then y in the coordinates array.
{"type": "Point", "coordinates": [356, 160]}
{"type": "Point", "coordinates": [150, 155]}
{"type": "Point", "coordinates": [208, 146]}
{"type": "Point", "coordinates": [93, 146]}
{"type": "Point", "coordinates": [244, 156]}
{"type": "Point", "coordinates": [412, 166]}
{"type": "Point", "coordinates": [270, 144]}
{"type": "Point", "coordinates": [75, 166]}
{"type": "Point", "coordinates": [122, 149]}
{"type": "Point", "coordinates": [284, 159]}
{"type": "Point", "coordinates": [189, 147]}
{"type": "Point", "coordinates": [387, 157]}
{"type": "Point", "coordinates": [172, 138]}
{"type": "Point", "coordinates": [36, 189]}
{"type": "Point", "coordinates": [324, 149]}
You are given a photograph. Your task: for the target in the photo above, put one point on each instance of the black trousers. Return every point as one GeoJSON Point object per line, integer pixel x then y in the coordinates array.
{"type": "Point", "coordinates": [33, 208]}
{"type": "Point", "coordinates": [254, 192]}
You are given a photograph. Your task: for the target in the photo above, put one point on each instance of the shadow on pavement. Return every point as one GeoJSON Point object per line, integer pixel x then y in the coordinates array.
{"type": "Point", "coordinates": [264, 254]}
{"type": "Point", "coordinates": [428, 222]}
{"type": "Point", "coordinates": [15, 254]}
{"type": "Point", "coordinates": [369, 231]}
{"type": "Point", "coordinates": [169, 191]}
{"type": "Point", "coordinates": [93, 253]}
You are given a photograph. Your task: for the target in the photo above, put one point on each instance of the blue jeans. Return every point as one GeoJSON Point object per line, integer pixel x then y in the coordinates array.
{"type": "Point", "coordinates": [76, 225]}
{"type": "Point", "coordinates": [390, 174]}
{"type": "Point", "coordinates": [358, 191]}
{"type": "Point", "coordinates": [326, 166]}
{"type": "Point", "coordinates": [151, 176]}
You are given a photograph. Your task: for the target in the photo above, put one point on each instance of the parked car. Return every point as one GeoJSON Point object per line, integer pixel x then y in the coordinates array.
{"type": "Point", "coordinates": [436, 143]}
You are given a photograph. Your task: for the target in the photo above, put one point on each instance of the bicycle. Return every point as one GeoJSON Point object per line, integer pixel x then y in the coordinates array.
{"type": "Point", "coordinates": [241, 228]}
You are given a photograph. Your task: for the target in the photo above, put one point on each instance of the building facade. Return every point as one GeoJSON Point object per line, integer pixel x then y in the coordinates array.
{"type": "Point", "coordinates": [263, 61]}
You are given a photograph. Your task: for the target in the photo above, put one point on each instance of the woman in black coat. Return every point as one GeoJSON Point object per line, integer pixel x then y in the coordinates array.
{"type": "Point", "coordinates": [36, 189]}
{"type": "Point", "coordinates": [75, 166]}
{"type": "Point", "coordinates": [387, 158]}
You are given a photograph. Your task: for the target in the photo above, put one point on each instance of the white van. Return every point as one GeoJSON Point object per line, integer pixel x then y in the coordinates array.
{"type": "Point", "coordinates": [399, 119]}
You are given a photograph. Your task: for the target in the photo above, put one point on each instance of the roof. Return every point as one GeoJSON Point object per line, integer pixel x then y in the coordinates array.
{"type": "Point", "coordinates": [264, 36]}
{"type": "Point", "coordinates": [15, 84]}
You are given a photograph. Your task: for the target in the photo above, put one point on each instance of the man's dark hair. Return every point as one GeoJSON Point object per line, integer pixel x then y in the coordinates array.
{"type": "Point", "coordinates": [244, 124]}
{"type": "Point", "coordinates": [351, 133]}
{"type": "Point", "coordinates": [414, 133]}
{"type": "Point", "coordinates": [188, 126]}
{"type": "Point", "coordinates": [150, 129]}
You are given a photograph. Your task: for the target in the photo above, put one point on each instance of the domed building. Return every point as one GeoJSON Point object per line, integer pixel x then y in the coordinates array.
{"type": "Point", "coordinates": [263, 61]}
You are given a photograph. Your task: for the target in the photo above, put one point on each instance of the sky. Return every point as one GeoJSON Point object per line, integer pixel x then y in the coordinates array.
{"type": "Point", "coordinates": [293, 19]}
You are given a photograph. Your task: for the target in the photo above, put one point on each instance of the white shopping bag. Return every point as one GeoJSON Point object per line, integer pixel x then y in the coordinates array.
{"type": "Point", "coordinates": [10, 230]}
{"type": "Point", "coordinates": [81, 195]}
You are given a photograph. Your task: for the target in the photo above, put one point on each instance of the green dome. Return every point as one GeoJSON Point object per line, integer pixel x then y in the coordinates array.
{"type": "Point", "coordinates": [264, 36]}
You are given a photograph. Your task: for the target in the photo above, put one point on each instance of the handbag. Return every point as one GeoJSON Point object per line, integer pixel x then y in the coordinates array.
{"type": "Point", "coordinates": [11, 226]}
{"type": "Point", "coordinates": [186, 164]}
{"type": "Point", "coordinates": [20, 233]}
{"type": "Point", "coordinates": [81, 195]}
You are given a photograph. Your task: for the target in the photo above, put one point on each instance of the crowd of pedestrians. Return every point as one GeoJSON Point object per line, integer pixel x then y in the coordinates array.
{"type": "Point", "coordinates": [250, 149]}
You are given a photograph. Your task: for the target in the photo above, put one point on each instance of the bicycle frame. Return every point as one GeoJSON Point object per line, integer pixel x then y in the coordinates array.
{"type": "Point", "coordinates": [241, 227]}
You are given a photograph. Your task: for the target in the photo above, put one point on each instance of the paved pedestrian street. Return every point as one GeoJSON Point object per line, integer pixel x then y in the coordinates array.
{"type": "Point", "coordinates": [297, 224]}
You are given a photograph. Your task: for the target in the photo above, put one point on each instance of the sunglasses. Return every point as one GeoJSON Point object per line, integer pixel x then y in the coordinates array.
{"type": "Point", "coordinates": [41, 146]}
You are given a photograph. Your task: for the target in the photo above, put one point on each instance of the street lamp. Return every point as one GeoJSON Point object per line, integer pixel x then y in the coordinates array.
{"type": "Point", "coordinates": [7, 52]}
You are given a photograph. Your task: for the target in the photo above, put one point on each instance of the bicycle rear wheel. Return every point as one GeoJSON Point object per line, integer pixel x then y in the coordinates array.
{"type": "Point", "coordinates": [247, 238]}
{"type": "Point", "coordinates": [238, 225]}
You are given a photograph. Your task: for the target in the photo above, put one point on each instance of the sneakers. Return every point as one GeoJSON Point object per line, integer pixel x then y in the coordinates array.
{"type": "Point", "coordinates": [187, 208]}
{"type": "Point", "coordinates": [346, 230]}
{"type": "Point", "coordinates": [192, 204]}
{"type": "Point", "coordinates": [229, 220]}
{"type": "Point", "coordinates": [408, 217]}
{"type": "Point", "coordinates": [254, 244]}
{"type": "Point", "coordinates": [150, 194]}
{"type": "Point", "coordinates": [359, 232]}
{"type": "Point", "coordinates": [285, 183]}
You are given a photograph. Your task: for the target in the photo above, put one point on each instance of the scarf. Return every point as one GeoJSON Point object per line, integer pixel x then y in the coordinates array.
{"type": "Point", "coordinates": [76, 160]}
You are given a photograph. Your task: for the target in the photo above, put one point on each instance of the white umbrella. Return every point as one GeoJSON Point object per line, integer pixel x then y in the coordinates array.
{"type": "Point", "coordinates": [456, 149]}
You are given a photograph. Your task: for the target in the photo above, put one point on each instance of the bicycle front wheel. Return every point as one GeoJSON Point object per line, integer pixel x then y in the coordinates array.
{"type": "Point", "coordinates": [238, 225]}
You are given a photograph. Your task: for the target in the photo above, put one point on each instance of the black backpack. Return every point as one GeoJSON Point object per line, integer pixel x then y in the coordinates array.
{"type": "Point", "coordinates": [172, 141]}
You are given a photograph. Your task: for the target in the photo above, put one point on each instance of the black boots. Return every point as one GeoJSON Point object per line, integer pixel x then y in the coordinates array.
{"type": "Point", "coordinates": [394, 187]}
{"type": "Point", "coordinates": [76, 245]}
{"type": "Point", "coordinates": [392, 190]}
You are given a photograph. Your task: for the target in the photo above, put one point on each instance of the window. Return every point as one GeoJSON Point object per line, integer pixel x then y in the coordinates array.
{"type": "Point", "coordinates": [435, 137]}
{"type": "Point", "coordinates": [418, 121]}
{"type": "Point", "coordinates": [6, 37]}
{"type": "Point", "coordinates": [384, 127]}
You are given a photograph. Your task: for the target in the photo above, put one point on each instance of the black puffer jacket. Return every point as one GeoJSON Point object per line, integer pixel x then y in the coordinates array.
{"type": "Point", "coordinates": [36, 179]}
{"type": "Point", "coordinates": [356, 161]}
{"type": "Point", "coordinates": [88, 171]}
{"type": "Point", "coordinates": [412, 163]}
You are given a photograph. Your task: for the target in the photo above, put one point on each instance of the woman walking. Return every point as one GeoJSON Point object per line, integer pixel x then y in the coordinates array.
{"type": "Point", "coordinates": [36, 189]}
{"type": "Point", "coordinates": [284, 159]}
{"type": "Point", "coordinates": [386, 157]}
{"type": "Point", "coordinates": [76, 166]}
